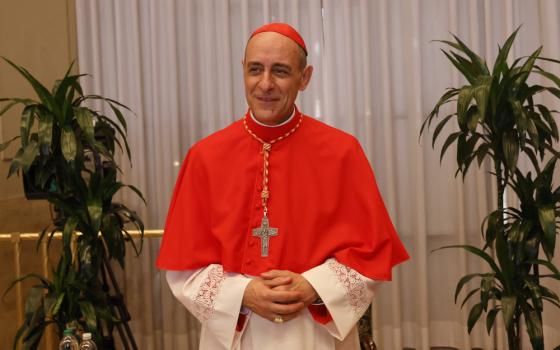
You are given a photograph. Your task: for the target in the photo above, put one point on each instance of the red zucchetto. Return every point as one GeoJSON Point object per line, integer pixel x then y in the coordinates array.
{"type": "Point", "coordinates": [284, 29]}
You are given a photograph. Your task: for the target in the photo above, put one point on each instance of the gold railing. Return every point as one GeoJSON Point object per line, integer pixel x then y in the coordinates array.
{"type": "Point", "coordinates": [15, 238]}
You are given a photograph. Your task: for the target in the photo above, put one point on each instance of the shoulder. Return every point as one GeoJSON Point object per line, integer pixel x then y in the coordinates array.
{"type": "Point", "coordinates": [326, 136]}
{"type": "Point", "coordinates": [218, 141]}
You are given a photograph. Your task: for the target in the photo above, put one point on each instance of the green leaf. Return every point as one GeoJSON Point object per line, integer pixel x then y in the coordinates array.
{"type": "Point", "coordinates": [45, 129]}
{"type": "Point", "coordinates": [439, 128]}
{"type": "Point", "coordinates": [545, 112]}
{"type": "Point", "coordinates": [138, 193]}
{"type": "Point", "coordinates": [465, 70]}
{"type": "Point", "coordinates": [88, 311]}
{"type": "Point", "coordinates": [534, 328]}
{"type": "Point", "coordinates": [500, 65]}
{"type": "Point", "coordinates": [108, 100]}
{"type": "Point", "coordinates": [549, 293]}
{"type": "Point", "coordinates": [445, 98]}
{"type": "Point", "coordinates": [29, 154]}
{"type": "Point", "coordinates": [5, 145]}
{"type": "Point", "coordinates": [473, 71]}
{"type": "Point", "coordinates": [555, 79]}
{"type": "Point", "coordinates": [473, 116]}
{"type": "Point", "coordinates": [533, 133]}
{"type": "Point", "coordinates": [474, 315]}
{"type": "Point", "coordinates": [547, 219]}
{"type": "Point", "coordinates": [482, 152]}
{"type": "Point", "coordinates": [509, 303]}
{"type": "Point", "coordinates": [14, 102]}
{"type": "Point", "coordinates": [69, 229]}
{"type": "Point", "coordinates": [519, 115]}
{"type": "Point", "coordinates": [465, 154]}
{"type": "Point", "coordinates": [22, 278]}
{"type": "Point", "coordinates": [56, 306]}
{"type": "Point", "coordinates": [18, 335]}
{"type": "Point", "coordinates": [119, 116]}
{"type": "Point", "coordinates": [16, 163]}
{"type": "Point", "coordinates": [494, 226]}
{"type": "Point", "coordinates": [41, 91]}
{"type": "Point", "coordinates": [475, 59]}
{"type": "Point", "coordinates": [463, 102]}
{"type": "Point", "coordinates": [468, 296]}
{"type": "Point", "coordinates": [33, 301]}
{"type": "Point", "coordinates": [490, 318]}
{"type": "Point", "coordinates": [510, 144]}
{"type": "Point", "coordinates": [528, 66]}
{"type": "Point", "coordinates": [68, 144]}
{"type": "Point", "coordinates": [548, 264]}
{"type": "Point", "coordinates": [482, 254]}
{"type": "Point", "coordinates": [450, 139]}
{"type": "Point", "coordinates": [119, 130]}
{"type": "Point", "coordinates": [85, 121]}
{"type": "Point", "coordinates": [536, 295]}
{"type": "Point", "coordinates": [486, 285]}
{"type": "Point", "coordinates": [464, 280]}
{"type": "Point", "coordinates": [481, 96]}
{"type": "Point", "coordinates": [35, 331]}
{"type": "Point", "coordinates": [506, 263]}
{"type": "Point", "coordinates": [552, 301]}
{"type": "Point", "coordinates": [27, 120]}
{"type": "Point", "coordinates": [95, 211]}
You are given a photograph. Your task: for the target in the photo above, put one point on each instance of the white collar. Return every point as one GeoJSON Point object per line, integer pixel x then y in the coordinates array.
{"type": "Point", "coordinates": [273, 126]}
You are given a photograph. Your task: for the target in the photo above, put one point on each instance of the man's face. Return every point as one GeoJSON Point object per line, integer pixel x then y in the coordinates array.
{"type": "Point", "coordinates": [273, 76]}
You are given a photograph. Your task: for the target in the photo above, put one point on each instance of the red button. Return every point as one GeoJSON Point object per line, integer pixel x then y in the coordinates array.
{"type": "Point", "coordinates": [248, 262]}
{"type": "Point", "coordinates": [251, 243]}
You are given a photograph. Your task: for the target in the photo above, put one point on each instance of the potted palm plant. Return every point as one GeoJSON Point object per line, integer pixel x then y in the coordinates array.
{"type": "Point", "coordinates": [498, 118]}
{"type": "Point", "coordinates": [67, 155]}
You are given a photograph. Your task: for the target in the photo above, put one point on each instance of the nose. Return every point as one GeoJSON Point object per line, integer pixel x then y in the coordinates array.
{"type": "Point", "coordinates": [266, 83]}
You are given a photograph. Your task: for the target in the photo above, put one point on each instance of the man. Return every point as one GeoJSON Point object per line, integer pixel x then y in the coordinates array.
{"type": "Point", "coordinates": [276, 234]}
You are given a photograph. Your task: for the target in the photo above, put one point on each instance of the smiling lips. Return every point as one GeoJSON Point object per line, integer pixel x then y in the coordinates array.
{"type": "Point", "coordinates": [265, 99]}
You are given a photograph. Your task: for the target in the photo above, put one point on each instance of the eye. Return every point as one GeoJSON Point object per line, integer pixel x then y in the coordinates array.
{"type": "Point", "coordinates": [281, 71]}
{"type": "Point", "coordinates": [254, 70]}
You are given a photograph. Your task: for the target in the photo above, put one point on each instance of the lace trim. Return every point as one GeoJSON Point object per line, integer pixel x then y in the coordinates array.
{"type": "Point", "coordinates": [356, 288]}
{"type": "Point", "coordinates": [205, 298]}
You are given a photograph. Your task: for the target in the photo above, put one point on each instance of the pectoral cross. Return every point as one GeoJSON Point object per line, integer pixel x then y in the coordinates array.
{"type": "Point", "coordinates": [265, 232]}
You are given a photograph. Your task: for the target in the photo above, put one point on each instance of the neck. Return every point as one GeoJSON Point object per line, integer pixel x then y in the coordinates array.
{"type": "Point", "coordinates": [283, 121]}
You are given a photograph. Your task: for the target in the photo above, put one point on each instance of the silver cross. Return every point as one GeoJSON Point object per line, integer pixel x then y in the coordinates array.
{"type": "Point", "coordinates": [264, 233]}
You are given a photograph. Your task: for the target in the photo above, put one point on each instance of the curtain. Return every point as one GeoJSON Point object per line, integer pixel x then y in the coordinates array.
{"type": "Point", "coordinates": [177, 64]}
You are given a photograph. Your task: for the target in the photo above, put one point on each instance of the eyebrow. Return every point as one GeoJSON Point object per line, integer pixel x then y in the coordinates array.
{"type": "Point", "coordinates": [276, 65]}
{"type": "Point", "coordinates": [281, 65]}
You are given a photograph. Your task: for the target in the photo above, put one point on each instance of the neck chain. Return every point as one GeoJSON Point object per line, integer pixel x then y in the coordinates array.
{"type": "Point", "coordinates": [264, 232]}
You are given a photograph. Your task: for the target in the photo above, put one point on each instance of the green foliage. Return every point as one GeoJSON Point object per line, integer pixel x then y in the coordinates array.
{"type": "Point", "coordinates": [68, 150]}
{"type": "Point", "coordinates": [498, 119]}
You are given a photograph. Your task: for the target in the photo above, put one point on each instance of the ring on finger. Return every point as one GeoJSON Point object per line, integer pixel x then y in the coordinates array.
{"type": "Point", "coordinates": [278, 319]}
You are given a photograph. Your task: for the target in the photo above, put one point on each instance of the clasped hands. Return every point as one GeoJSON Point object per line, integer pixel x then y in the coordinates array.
{"type": "Point", "coordinates": [278, 293]}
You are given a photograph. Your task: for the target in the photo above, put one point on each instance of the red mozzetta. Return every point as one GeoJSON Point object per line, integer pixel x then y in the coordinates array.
{"type": "Point", "coordinates": [323, 200]}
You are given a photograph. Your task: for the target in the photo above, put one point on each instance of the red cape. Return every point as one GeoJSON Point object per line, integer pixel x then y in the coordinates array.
{"type": "Point", "coordinates": [323, 199]}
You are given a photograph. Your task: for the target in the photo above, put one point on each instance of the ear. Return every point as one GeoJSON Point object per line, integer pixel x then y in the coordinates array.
{"type": "Point", "coordinates": [305, 77]}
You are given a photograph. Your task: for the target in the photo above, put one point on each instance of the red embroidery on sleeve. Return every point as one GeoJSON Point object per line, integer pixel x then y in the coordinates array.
{"type": "Point", "coordinates": [205, 298]}
{"type": "Point", "coordinates": [354, 284]}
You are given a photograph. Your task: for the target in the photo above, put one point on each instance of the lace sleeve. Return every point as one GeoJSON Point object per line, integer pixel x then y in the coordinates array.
{"type": "Point", "coordinates": [354, 285]}
{"type": "Point", "coordinates": [205, 297]}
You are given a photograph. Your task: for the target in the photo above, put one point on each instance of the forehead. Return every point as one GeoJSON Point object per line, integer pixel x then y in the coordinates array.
{"type": "Point", "coordinates": [271, 47]}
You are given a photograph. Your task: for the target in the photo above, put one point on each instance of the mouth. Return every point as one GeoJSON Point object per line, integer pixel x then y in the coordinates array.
{"type": "Point", "coordinates": [266, 99]}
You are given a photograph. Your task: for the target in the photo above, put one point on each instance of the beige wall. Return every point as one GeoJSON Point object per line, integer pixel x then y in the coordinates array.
{"type": "Point", "coordinates": [41, 36]}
